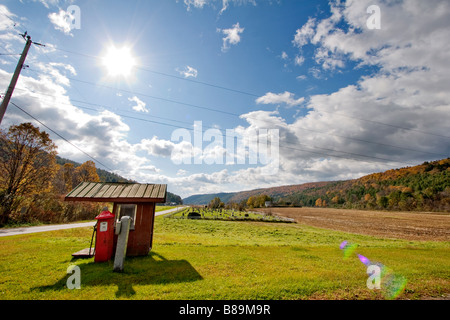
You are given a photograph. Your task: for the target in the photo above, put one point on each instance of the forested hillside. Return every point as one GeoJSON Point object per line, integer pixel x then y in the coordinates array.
{"type": "Point", "coordinates": [425, 187]}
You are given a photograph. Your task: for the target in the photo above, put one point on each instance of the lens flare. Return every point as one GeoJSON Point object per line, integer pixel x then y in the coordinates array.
{"type": "Point", "coordinates": [348, 248]}
{"type": "Point", "coordinates": [392, 285]}
{"type": "Point", "coordinates": [364, 260]}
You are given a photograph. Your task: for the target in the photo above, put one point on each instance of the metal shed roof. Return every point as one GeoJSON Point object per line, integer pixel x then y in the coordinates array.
{"type": "Point", "coordinates": [118, 192]}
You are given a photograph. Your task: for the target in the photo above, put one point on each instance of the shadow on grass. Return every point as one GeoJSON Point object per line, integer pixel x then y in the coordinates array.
{"type": "Point", "coordinates": [151, 269]}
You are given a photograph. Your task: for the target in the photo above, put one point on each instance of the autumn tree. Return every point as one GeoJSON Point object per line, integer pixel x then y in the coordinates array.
{"type": "Point", "coordinates": [250, 202]}
{"type": "Point", "coordinates": [258, 201]}
{"type": "Point", "coordinates": [68, 172]}
{"type": "Point", "coordinates": [318, 202]}
{"type": "Point", "coordinates": [87, 172]}
{"type": "Point", "coordinates": [216, 203]}
{"type": "Point", "coordinates": [28, 164]}
{"type": "Point", "coordinates": [64, 180]}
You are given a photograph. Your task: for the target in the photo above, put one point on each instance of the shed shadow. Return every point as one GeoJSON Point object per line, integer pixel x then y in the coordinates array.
{"type": "Point", "coordinates": [151, 269]}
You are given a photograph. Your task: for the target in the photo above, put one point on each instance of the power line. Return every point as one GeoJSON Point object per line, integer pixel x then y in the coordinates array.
{"type": "Point", "coordinates": [147, 69]}
{"type": "Point", "coordinates": [234, 114]}
{"type": "Point", "coordinates": [281, 146]}
{"type": "Point", "coordinates": [294, 144]}
{"type": "Point", "coordinates": [62, 137]}
{"type": "Point", "coordinates": [144, 68]}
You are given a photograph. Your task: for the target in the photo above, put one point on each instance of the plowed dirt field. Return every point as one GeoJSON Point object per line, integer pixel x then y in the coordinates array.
{"type": "Point", "coordinates": [398, 225]}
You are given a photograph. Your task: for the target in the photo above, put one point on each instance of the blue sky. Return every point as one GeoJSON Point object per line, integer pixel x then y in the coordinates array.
{"type": "Point", "coordinates": [345, 99]}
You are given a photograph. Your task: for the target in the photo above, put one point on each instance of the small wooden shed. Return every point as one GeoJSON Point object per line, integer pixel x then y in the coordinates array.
{"type": "Point", "coordinates": [132, 199]}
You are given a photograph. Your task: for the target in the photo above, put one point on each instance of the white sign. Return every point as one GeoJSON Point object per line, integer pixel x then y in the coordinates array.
{"type": "Point", "coordinates": [103, 226]}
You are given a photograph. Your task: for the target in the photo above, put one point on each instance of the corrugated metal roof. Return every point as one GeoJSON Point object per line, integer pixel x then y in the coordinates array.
{"type": "Point", "coordinates": [118, 192]}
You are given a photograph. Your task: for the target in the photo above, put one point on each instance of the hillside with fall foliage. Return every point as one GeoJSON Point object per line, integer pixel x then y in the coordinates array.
{"type": "Point", "coordinates": [424, 187]}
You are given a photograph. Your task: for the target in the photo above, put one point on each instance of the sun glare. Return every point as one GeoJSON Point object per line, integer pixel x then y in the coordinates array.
{"type": "Point", "coordinates": [118, 61]}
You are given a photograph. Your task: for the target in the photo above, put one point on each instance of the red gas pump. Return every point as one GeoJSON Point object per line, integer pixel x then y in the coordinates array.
{"type": "Point", "coordinates": [104, 242]}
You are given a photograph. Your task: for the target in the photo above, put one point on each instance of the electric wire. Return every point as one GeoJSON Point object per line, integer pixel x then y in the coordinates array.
{"type": "Point", "coordinates": [59, 135]}
{"type": "Point", "coordinates": [144, 68]}
{"type": "Point", "coordinates": [238, 115]}
{"type": "Point", "coordinates": [369, 158]}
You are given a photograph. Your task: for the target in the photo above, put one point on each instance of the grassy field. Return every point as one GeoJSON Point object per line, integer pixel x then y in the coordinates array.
{"type": "Point", "coordinates": [210, 259]}
{"type": "Point", "coordinates": [163, 208]}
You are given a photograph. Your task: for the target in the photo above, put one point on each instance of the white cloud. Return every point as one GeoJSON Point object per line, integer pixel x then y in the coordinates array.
{"type": "Point", "coordinates": [304, 34]}
{"type": "Point", "coordinates": [62, 21]}
{"type": "Point", "coordinates": [195, 3]}
{"type": "Point", "coordinates": [299, 60]}
{"type": "Point", "coordinates": [188, 71]}
{"type": "Point", "coordinates": [232, 36]}
{"type": "Point", "coordinates": [140, 105]}
{"type": "Point", "coordinates": [157, 147]}
{"type": "Point", "coordinates": [46, 100]}
{"type": "Point", "coordinates": [285, 97]}
{"type": "Point", "coordinates": [284, 55]}
{"type": "Point", "coordinates": [200, 4]}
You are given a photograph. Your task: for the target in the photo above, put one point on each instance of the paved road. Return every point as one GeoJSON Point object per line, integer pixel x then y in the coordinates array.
{"type": "Point", "coordinates": [24, 230]}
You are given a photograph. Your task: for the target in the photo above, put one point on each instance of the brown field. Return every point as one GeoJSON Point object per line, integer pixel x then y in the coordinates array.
{"type": "Point", "coordinates": [386, 224]}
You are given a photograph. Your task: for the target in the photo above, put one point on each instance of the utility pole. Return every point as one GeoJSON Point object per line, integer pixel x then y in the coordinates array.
{"type": "Point", "coordinates": [12, 85]}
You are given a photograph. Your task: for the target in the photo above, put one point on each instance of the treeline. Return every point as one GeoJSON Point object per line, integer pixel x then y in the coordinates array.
{"type": "Point", "coordinates": [105, 176]}
{"type": "Point", "coordinates": [420, 188]}
{"type": "Point", "coordinates": [250, 203]}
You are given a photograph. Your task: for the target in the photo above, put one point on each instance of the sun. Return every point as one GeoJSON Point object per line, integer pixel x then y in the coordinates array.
{"type": "Point", "coordinates": [119, 61]}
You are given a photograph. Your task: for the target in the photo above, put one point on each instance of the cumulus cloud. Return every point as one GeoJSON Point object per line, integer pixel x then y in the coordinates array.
{"type": "Point", "coordinates": [199, 4]}
{"type": "Point", "coordinates": [304, 34]}
{"type": "Point", "coordinates": [46, 99]}
{"type": "Point", "coordinates": [188, 71]}
{"type": "Point", "coordinates": [232, 36]}
{"type": "Point", "coordinates": [140, 105]}
{"type": "Point", "coordinates": [299, 60]}
{"type": "Point", "coordinates": [62, 21]}
{"type": "Point", "coordinates": [195, 3]}
{"type": "Point", "coordinates": [284, 98]}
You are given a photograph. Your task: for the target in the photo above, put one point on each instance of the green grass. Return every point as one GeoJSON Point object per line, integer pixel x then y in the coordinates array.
{"type": "Point", "coordinates": [163, 208]}
{"type": "Point", "coordinates": [210, 259]}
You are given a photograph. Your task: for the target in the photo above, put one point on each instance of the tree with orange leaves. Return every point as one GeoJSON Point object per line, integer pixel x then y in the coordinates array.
{"type": "Point", "coordinates": [28, 164]}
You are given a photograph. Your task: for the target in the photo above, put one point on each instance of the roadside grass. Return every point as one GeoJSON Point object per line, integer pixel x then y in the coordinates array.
{"type": "Point", "coordinates": [210, 259]}
{"type": "Point", "coordinates": [163, 208]}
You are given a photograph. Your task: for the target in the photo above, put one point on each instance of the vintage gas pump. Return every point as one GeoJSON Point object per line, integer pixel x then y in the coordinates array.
{"type": "Point", "coordinates": [104, 243]}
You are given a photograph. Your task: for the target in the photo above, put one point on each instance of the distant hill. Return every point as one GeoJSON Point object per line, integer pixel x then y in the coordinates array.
{"type": "Point", "coordinates": [425, 187]}
{"type": "Point", "coordinates": [202, 199]}
{"type": "Point", "coordinates": [274, 192]}
{"type": "Point", "coordinates": [106, 176]}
